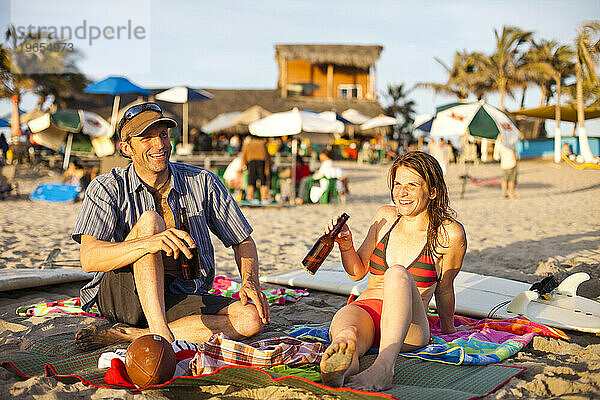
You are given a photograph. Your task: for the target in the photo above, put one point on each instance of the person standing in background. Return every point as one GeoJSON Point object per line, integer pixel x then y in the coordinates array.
{"type": "Point", "coordinates": [508, 162]}
{"type": "Point", "coordinates": [256, 159]}
{"type": "Point", "coordinates": [439, 150]}
{"type": "Point", "coordinates": [3, 148]}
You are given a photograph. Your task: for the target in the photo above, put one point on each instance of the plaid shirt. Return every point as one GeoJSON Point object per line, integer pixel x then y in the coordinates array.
{"type": "Point", "coordinates": [114, 202]}
{"type": "Point", "coordinates": [220, 351]}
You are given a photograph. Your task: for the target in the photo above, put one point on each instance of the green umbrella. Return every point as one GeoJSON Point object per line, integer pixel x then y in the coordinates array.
{"type": "Point", "coordinates": [72, 130]}
{"type": "Point", "coordinates": [475, 118]}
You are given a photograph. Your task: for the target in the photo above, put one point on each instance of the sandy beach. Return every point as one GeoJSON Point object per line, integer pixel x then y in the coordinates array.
{"type": "Point", "coordinates": [552, 227]}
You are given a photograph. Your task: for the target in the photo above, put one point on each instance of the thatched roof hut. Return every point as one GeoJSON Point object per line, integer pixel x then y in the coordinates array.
{"type": "Point", "coordinates": [359, 56]}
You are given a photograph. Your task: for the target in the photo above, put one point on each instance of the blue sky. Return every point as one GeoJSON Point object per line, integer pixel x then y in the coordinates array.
{"type": "Point", "coordinates": [230, 44]}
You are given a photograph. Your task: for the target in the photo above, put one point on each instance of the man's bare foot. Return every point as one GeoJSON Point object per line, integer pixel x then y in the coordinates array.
{"type": "Point", "coordinates": [374, 379]}
{"type": "Point", "coordinates": [95, 337]}
{"type": "Point", "coordinates": [335, 362]}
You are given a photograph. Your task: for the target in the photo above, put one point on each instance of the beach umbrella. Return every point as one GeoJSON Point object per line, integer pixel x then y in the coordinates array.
{"type": "Point", "coordinates": [333, 116]}
{"type": "Point", "coordinates": [292, 123]}
{"type": "Point", "coordinates": [423, 122]}
{"type": "Point", "coordinates": [475, 118]}
{"type": "Point", "coordinates": [567, 113]}
{"type": "Point", "coordinates": [183, 95]}
{"type": "Point", "coordinates": [250, 115]}
{"type": "Point", "coordinates": [116, 86]}
{"type": "Point", "coordinates": [220, 122]}
{"type": "Point", "coordinates": [378, 121]}
{"type": "Point", "coordinates": [354, 116]}
{"type": "Point", "coordinates": [68, 129]}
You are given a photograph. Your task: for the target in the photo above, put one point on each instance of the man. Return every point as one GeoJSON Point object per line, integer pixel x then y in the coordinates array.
{"type": "Point", "coordinates": [256, 159]}
{"type": "Point", "coordinates": [129, 237]}
{"type": "Point", "coordinates": [508, 163]}
{"type": "Point", "coordinates": [326, 170]}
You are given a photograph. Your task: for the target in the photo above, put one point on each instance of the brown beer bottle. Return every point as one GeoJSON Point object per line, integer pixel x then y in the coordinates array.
{"type": "Point", "coordinates": [190, 268]}
{"type": "Point", "coordinates": [323, 247]}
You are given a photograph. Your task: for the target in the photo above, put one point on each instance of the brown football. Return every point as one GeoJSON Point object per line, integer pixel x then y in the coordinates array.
{"type": "Point", "coordinates": [150, 360]}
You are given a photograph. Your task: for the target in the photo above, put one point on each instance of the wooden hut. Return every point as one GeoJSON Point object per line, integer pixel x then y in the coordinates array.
{"type": "Point", "coordinates": [327, 70]}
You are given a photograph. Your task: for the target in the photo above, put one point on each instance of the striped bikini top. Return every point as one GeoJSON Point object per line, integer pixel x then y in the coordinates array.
{"type": "Point", "coordinates": [422, 268]}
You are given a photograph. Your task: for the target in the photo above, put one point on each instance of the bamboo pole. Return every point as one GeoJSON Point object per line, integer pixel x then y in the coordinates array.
{"type": "Point", "coordinates": [329, 81]}
{"type": "Point", "coordinates": [185, 123]}
{"type": "Point", "coordinates": [115, 114]}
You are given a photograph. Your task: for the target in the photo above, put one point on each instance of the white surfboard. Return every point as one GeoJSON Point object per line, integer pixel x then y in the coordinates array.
{"type": "Point", "coordinates": [22, 278]}
{"type": "Point", "coordinates": [477, 296]}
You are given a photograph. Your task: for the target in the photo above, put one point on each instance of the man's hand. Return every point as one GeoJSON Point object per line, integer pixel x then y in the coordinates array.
{"type": "Point", "coordinates": [172, 242]}
{"type": "Point", "coordinates": [251, 291]}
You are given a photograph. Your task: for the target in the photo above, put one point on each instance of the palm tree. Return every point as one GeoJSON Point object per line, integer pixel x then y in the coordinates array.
{"type": "Point", "coordinates": [400, 108]}
{"type": "Point", "coordinates": [463, 79]}
{"type": "Point", "coordinates": [549, 63]}
{"type": "Point", "coordinates": [40, 72]}
{"type": "Point", "coordinates": [587, 46]}
{"type": "Point", "coordinates": [502, 68]}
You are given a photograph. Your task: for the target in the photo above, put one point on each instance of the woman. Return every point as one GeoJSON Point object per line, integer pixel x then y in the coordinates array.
{"type": "Point", "coordinates": [413, 249]}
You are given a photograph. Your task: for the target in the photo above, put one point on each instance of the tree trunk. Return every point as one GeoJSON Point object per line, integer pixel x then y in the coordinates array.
{"type": "Point", "coordinates": [584, 146]}
{"type": "Point", "coordinates": [15, 123]}
{"type": "Point", "coordinates": [538, 121]}
{"type": "Point", "coordinates": [523, 97]}
{"type": "Point", "coordinates": [557, 137]}
{"type": "Point", "coordinates": [502, 91]}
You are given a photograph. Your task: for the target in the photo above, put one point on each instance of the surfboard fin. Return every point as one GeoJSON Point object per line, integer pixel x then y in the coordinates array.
{"type": "Point", "coordinates": [569, 285]}
{"type": "Point", "coordinates": [518, 305]}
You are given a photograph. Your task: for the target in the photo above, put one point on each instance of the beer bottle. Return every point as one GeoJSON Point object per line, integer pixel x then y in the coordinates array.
{"type": "Point", "coordinates": [323, 247]}
{"type": "Point", "coordinates": [190, 268]}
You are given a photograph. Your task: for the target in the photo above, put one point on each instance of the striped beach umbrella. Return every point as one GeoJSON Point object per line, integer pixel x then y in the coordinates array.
{"type": "Point", "coordinates": [475, 118]}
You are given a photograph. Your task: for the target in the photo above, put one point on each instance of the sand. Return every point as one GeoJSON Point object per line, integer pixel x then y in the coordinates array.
{"type": "Point", "coordinates": [552, 227]}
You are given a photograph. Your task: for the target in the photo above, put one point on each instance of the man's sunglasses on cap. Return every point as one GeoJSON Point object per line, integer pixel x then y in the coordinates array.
{"type": "Point", "coordinates": [136, 110]}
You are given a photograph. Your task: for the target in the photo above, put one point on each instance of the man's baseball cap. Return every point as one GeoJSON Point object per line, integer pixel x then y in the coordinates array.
{"type": "Point", "coordinates": [138, 118]}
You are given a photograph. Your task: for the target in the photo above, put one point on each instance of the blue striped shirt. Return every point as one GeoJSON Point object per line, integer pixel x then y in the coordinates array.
{"type": "Point", "coordinates": [114, 201]}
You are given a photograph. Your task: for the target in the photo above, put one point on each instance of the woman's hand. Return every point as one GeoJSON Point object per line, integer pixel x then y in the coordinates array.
{"type": "Point", "coordinates": [344, 239]}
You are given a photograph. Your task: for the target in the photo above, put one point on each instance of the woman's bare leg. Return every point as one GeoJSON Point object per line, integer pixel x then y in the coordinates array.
{"type": "Point", "coordinates": [351, 334]}
{"type": "Point", "coordinates": [404, 326]}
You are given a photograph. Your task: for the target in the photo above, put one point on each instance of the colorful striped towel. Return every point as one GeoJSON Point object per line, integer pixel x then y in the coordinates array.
{"type": "Point", "coordinates": [223, 286]}
{"type": "Point", "coordinates": [221, 351]}
{"type": "Point", "coordinates": [477, 342]}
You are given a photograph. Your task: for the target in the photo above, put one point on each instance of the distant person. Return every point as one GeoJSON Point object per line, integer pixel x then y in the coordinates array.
{"type": "Point", "coordinates": [3, 148]}
{"type": "Point", "coordinates": [508, 164]}
{"type": "Point", "coordinates": [439, 150]}
{"type": "Point", "coordinates": [452, 152]}
{"type": "Point", "coordinates": [257, 161]}
{"type": "Point", "coordinates": [235, 143]}
{"type": "Point", "coordinates": [566, 149]}
{"type": "Point", "coordinates": [233, 174]}
{"type": "Point", "coordinates": [327, 170]}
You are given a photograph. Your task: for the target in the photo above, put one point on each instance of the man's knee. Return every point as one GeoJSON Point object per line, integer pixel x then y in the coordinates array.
{"type": "Point", "coordinates": [149, 223]}
{"type": "Point", "coordinates": [247, 321]}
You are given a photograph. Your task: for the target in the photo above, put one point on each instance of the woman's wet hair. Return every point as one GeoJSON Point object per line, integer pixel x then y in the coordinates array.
{"type": "Point", "coordinates": [438, 208]}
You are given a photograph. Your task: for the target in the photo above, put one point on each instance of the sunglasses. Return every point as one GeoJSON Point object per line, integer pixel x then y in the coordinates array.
{"type": "Point", "coordinates": [136, 110]}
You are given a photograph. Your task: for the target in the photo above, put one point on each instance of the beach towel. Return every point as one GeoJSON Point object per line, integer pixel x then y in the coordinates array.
{"type": "Point", "coordinates": [414, 379]}
{"type": "Point", "coordinates": [223, 286]}
{"type": "Point", "coordinates": [477, 342]}
{"type": "Point", "coordinates": [279, 350]}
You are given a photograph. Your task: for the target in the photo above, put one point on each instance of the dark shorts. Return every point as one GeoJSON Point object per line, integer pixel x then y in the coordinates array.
{"type": "Point", "coordinates": [118, 300]}
{"type": "Point", "coordinates": [256, 171]}
{"type": "Point", "coordinates": [510, 175]}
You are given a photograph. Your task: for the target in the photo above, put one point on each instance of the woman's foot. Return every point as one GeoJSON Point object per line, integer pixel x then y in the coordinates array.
{"type": "Point", "coordinates": [374, 379]}
{"type": "Point", "coordinates": [336, 361]}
